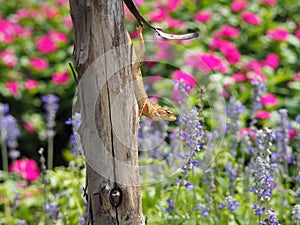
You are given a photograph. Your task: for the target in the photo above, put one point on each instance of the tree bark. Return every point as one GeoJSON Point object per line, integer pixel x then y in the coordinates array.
{"type": "Point", "coordinates": [108, 108]}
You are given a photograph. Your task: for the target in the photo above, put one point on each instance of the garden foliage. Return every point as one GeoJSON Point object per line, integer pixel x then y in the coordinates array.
{"type": "Point", "coordinates": [233, 155]}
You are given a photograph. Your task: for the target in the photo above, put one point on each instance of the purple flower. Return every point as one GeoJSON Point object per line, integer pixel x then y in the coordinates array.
{"type": "Point", "coordinates": [171, 205]}
{"type": "Point", "coordinates": [271, 220]}
{"type": "Point", "coordinates": [258, 210]}
{"type": "Point", "coordinates": [298, 118]}
{"type": "Point", "coordinates": [189, 186]}
{"type": "Point", "coordinates": [10, 131]}
{"type": "Point", "coordinates": [296, 213]}
{"type": "Point", "coordinates": [21, 222]}
{"type": "Point", "coordinates": [50, 106]}
{"type": "Point", "coordinates": [204, 210]}
{"type": "Point", "coordinates": [52, 209]}
{"type": "Point", "coordinates": [230, 203]}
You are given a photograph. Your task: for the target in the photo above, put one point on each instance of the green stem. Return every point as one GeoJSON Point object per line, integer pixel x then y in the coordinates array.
{"type": "Point", "coordinates": [50, 153]}
{"type": "Point", "coordinates": [4, 155]}
{"type": "Point", "coordinates": [175, 203]}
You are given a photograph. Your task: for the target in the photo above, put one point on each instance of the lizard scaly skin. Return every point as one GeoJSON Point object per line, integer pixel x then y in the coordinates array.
{"type": "Point", "coordinates": [146, 108]}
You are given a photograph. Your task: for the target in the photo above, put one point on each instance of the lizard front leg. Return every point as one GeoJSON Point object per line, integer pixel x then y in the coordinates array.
{"type": "Point", "coordinates": [146, 108]}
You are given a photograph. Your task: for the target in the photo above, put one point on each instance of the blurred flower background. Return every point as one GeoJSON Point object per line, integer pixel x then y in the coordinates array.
{"type": "Point", "coordinates": [246, 59]}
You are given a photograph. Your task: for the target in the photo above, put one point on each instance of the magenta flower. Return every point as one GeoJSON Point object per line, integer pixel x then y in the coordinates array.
{"type": "Point", "coordinates": [238, 5]}
{"type": "Point", "coordinates": [38, 63]}
{"type": "Point", "coordinates": [9, 58]}
{"type": "Point", "coordinates": [28, 13]}
{"type": "Point", "coordinates": [31, 84]}
{"type": "Point", "coordinates": [27, 168]}
{"type": "Point", "coordinates": [159, 14]}
{"type": "Point", "coordinates": [250, 18]}
{"type": "Point", "coordinates": [49, 11]}
{"type": "Point", "coordinates": [173, 5]}
{"type": "Point", "coordinates": [268, 100]}
{"type": "Point", "coordinates": [229, 50]}
{"type": "Point", "coordinates": [206, 62]}
{"type": "Point", "coordinates": [12, 87]}
{"type": "Point", "coordinates": [272, 60]}
{"type": "Point", "coordinates": [29, 127]}
{"type": "Point", "coordinates": [154, 78]}
{"type": "Point", "coordinates": [239, 77]}
{"type": "Point", "coordinates": [268, 2]}
{"type": "Point", "coordinates": [256, 76]}
{"type": "Point", "coordinates": [253, 65]}
{"type": "Point", "coordinates": [203, 16]}
{"type": "Point", "coordinates": [173, 23]}
{"type": "Point", "coordinates": [278, 34]}
{"type": "Point", "coordinates": [57, 36]}
{"type": "Point", "coordinates": [297, 76]}
{"type": "Point", "coordinates": [68, 22]}
{"type": "Point", "coordinates": [247, 130]}
{"type": "Point", "coordinates": [9, 30]}
{"type": "Point", "coordinates": [45, 44]}
{"type": "Point", "coordinates": [262, 114]}
{"type": "Point", "coordinates": [228, 31]}
{"type": "Point", "coordinates": [187, 78]}
{"type": "Point", "coordinates": [60, 78]}
{"type": "Point", "coordinates": [297, 34]}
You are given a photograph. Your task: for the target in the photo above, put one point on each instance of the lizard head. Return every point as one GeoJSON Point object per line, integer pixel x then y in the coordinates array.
{"type": "Point", "coordinates": [165, 114]}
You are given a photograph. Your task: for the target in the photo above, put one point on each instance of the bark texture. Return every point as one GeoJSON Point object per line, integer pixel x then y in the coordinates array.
{"type": "Point", "coordinates": [106, 102]}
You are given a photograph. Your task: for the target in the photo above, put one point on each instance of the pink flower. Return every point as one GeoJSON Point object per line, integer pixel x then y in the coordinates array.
{"type": "Point", "coordinates": [39, 63]}
{"type": "Point", "coordinates": [253, 65]}
{"type": "Point", "coordinates": [268, 2]}
{"type": "Point", "coordinates": [187, 78]}
{"type": "Point", "coordinates": [173, 23]}
{"type": "Point", "coordinates": [31, 84]}
{"type": "Point", "coordinates": [139, 2]}
{"type": "Point", "coordinates": [297, 34]}
{"type": "Point", "coordinates": [278, 34]}
{"type": "Point", "coordinates": [272, 60]}
{"type": "Point", "coordinates": [29, 127]}
{"type": "Point", "coordinates": [27, 168]}
{"type": "Point", "coordinates": [164, 50]}
{"type": "Point", "coordinates": [238, 5]}
{"type": "Point", "coordinates": [297, 76]}
{"type": "Point", "coordinates": [9, 58]}
{"type": "Point", "coordinates": [28, 13]}
{"type": "Point", "coordinates": [68, 22]}
{"type": "Point", "coordinates": [203, 16]}
{"type": "Point", "coordinates": [9, 30]}
{"type": "Point", "coordinates": [60, 78]}
{"type": "Point", "coordinates": [57, 36]}
{"type": "Point", "coordinates": [239, 77]}
{"type": "Point", "coordinates": [292, 133]}
{"type": "Point", "coordinates": [229, 50]}
{"type": "Point", "coordinates": [262, 114]}
{"type": "Point", "coordinates": [250, 18]}
{"type": "Point", "coordinates": [189, 81]}
{"type": "Point", "coordinates": [268, 100]}
{"type": "Point", "coordinates": [155, 78]}
{"type": "Point", "coordinates": [159, 14]}
{"type": "Point", "coordinates": [45, 44]}
{"type": "Point", "coordinates": [256, 76]}
{"type": "Point", "coordinates": [206, 62]}
{"type": "Point", "coordinates": [228, 31]}
{"type": "Point", "coordinates": [12, 88]}
{"type": "Point", "coordinates": [247, 130]}
{"type": "Point", "coordinates": [173, 4]}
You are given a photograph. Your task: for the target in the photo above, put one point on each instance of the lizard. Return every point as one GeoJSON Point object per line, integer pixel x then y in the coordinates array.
{"type": "Point", "coordinates": [146, 107]}
{"type": "Point", "coordinates": [134, 10]}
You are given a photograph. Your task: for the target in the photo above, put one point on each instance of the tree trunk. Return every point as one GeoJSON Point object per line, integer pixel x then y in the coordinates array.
{"type": "Point", "coordinates": [108, 108]}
